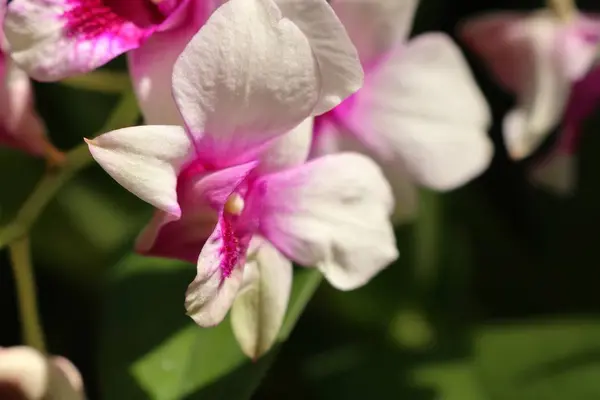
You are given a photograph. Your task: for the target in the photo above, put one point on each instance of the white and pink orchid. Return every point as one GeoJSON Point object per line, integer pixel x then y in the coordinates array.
{"type": "Point", "coordinates": [232, 189]}
{"type": "Point", "coordinates": [420, 113]}
{"type": "Point", "coordinates": [548, 61]}
{"type": "Point", "coordinates": [55, 39]}
{"type": "Point", "coordinates": [20, 126]}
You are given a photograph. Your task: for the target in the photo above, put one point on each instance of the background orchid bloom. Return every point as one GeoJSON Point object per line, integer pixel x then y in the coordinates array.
{"type": "Point", "coordinates": [558, 170]}
{"type": "Point", "coordinates": [26, 374]}
{"type": "Point", "coordinates": [420, 113]}
{"type": "Point", "coordinates": [54, 39]}
{"type": "Point", "coordinates": [232, 190]}
{"type": "Point", "coordinates": [538, 57]}
{"type": "Point", "coordinates": [20, 126]}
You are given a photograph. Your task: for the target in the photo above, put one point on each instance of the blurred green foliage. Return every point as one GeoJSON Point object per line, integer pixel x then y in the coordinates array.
{"type": "Point", "coordinates": [494, 296]}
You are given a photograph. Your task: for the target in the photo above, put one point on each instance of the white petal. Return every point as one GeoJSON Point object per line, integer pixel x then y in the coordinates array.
{"type": "Point", "coordinates": [333, 138]}
{"type": "Point", "coordinates": [26, 368]}
{"type": "Point", "coordinates": [146, 161]}
{"type": "Point", "coordinates": [376, 26]}
{"type": "Point", "coordinates": [337, 58]}
{"type": "Point", "coordinates": [248, 76]}
{"type": "Point", "coordinates": [423, 106]}
{"type": "Point", "coordinates": [288, 150]}
{"type": "Point", "coordinates": [332, 213]}
{"type": "Point", "coordinates": [258, 311]}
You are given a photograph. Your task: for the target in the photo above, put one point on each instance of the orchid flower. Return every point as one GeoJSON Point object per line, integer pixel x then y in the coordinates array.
{"type": "Point", "coordinates": [26, 374]}
{"type": "Point", "coordinates": [233, 192]}
{"type": "Point", "coordinates": [20, 126]}
{"type": "Point", "coordinates": [55, 39]}
{"type": "Point", "coordinates": [420, 113]}
{"type": "Point", "coordinates": [548, 63]}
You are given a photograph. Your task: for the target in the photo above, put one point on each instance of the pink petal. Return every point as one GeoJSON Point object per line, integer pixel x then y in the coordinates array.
{"type": "Point", "coordinates": [498, 40]}
{"type": "Point", "coordinates": [247, 77]}
{"type": "Point", "coordinates": [53, 39]}
{"type": "Point", "coordinates": [331, 213]}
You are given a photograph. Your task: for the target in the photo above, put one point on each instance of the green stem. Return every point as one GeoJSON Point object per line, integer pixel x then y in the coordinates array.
{"type": "Point", "coordinates": [124, 114]}
{"type": "Point", "coordinates": [31, 328]}
{"type": "Point", "coordinates": [426, 237]}
{"type": "Point", "coordinates": [104, 81]}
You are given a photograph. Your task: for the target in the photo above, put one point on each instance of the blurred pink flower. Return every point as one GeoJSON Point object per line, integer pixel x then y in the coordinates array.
{"type": "Point", "coordinates": [20, 126]}
{"type": "Point", "coordinates": [548, 63]}
{"type": "Point", "coordinates": [232, 188]}
{"type": "Point", "coordinates": [420, 114]}
{"type": "Point", "coordinates": [27, 374]}
{"type": "Point", "coordinates": [55, 39]}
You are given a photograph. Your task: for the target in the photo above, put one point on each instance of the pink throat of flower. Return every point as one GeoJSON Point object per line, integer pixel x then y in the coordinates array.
{"type": "Point", "coordinates": [231, 250]}
{"type": "Point", "coordinates": [90, 19]}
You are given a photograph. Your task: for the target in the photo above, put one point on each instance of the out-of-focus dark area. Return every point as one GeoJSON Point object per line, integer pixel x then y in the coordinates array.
{"type": "Point", "coordinates": [494, 297]}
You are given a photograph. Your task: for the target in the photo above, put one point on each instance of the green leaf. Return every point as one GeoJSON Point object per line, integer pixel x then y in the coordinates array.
{"type": "Point", "coordinates": [451, 380]}
{"type": "Point", "coordinates": [549, 360]}
{"type": "Point", "coordinates": [149, 348]}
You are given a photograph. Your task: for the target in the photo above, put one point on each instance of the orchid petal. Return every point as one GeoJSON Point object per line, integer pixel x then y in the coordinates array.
{"type": "Point", "coordinates": [498, 39]}
{"type": "Point", "coordinates": [151, 66]}
{"type": "Point", "coordinates": [336, 56]}
{"type": "Point", "coordinates": [220, 271]}
{"type": "Point", "coordinates": [288, 150]}
{"type": "Point", "coordinates": [376, 26]}
{"type": "Point", "coordinates": [527, 55]}
{"type": "Point", "coordinates": [21, 125]}
{"type": "Point", "coordinates": [146, 160]}
{"type": "Point", "coordinates": [442, 143]}
{"type": "Point", "coordinates": [199, 198]}
{"type": "Point", "coordinates": [332, 213]}
{"type": "Point", "coordinates": [247, 76]}
{"type": "Point", "coordinates": [53, 39]}
{"type": "Point", "coordinates": [257, 313]}
{"type": "Point", "coordinates": [333, 138]}
{"type": "Point", "coordinates": [543, 98]}
{"type": "Point", "coordinates": [577, 48]}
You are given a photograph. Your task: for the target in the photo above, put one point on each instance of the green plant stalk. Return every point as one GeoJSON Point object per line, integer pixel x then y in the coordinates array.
{"type": "Point", "coordinates": [124, 114]}
{"type": "Point", "coordinates": [31, 327]}
{"type": "Point", "coordinates": [426, 237]}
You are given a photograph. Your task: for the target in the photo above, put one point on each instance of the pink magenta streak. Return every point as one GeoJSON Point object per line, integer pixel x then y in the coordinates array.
{"type": "Point", "coordinates": [89, 19]}
{"type": "Point", "coordinates": [230, 250]}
